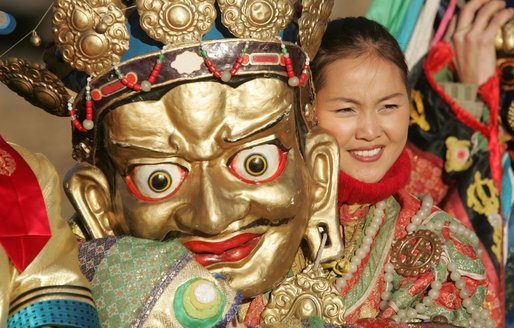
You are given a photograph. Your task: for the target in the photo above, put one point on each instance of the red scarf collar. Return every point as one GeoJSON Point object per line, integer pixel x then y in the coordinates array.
{"type": "Point", "coordinates": [25, 229]}
{"type": "Point", "coordinates": [353, 191]}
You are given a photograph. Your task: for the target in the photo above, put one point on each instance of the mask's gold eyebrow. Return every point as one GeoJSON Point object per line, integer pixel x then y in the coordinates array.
{"type": "Point", "coordinates": [257, 131]}
{"type": "Point", "coordinates": [131, 146]}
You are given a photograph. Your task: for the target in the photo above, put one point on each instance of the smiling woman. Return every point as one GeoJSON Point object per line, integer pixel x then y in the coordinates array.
{"type": "Point", "coordinates": [404, 259]}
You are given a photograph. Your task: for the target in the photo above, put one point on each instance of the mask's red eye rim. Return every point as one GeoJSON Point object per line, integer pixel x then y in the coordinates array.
{"type": "Point", "coordinates": [135, 191]}
{"type": "Point", "coordinates": [282, 164]}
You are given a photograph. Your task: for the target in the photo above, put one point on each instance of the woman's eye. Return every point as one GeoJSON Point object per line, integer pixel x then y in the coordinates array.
{"type": "Point", "coordinates": [390, 107]}
{"type": "Point", "coordinates": [259, 164]}
{"type": "Point", "coordinates": [345, 110]}
{"type": "Point", "coordinates": [155, 182]}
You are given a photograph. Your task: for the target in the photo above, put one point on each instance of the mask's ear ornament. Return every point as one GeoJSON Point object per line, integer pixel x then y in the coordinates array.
{"type": "Point", "coordinates": [322, 157]}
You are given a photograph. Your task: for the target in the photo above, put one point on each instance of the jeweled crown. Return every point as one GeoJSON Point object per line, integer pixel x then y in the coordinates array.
{"type": "Point", "coordinates": [128, 49]}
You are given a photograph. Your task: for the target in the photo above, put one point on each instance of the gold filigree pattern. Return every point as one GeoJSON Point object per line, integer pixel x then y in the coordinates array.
{"type": "Point", "coordinates": [173, 22]}
{"type": "Point", "coordinates": [483, 195]}
{"type": "Point", "coordinates": [313, 23]}
{"type": "Point", "coordinates": [90, 34]}
{"type": "Point", "coordinates": [416, 253]}
{"type": "Point", "coordinates": [307, 294]}
{"type": "Point", "coordinates": [36, 84]}
{"type": "Point", "coordinates": [258, 19]}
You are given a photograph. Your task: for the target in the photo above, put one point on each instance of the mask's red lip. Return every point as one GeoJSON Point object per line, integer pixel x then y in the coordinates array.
{"type": "Point", "coordinates": [230, 250]}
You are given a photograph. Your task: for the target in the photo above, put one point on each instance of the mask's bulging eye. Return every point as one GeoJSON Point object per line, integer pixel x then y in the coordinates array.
{"type": "Point", "coordinates": [155, 182]}
{"type": "Point", "coordinates": [259, 164]}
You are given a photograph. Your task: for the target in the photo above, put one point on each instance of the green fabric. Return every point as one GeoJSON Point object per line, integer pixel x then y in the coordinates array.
{"type": "Point", "coordinates": [389, 13]}
{"type": "Point", "coordinates": [127, 275]}
{"type": "Point", "coordinates": [374, 265]}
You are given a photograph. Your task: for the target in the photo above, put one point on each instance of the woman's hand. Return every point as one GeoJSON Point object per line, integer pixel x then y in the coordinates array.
{"type": "Point", "coordinates": [473, 34]}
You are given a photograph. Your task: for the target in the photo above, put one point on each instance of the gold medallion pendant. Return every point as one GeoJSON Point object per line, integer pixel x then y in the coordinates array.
{"type": "Point", "coordinates": [416, 253]}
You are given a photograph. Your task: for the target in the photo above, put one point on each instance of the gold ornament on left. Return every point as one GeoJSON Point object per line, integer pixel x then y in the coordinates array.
{"type": "Point", "coordinates": [91, 35]}
{"type": "Point", "coordinates": [36, 84]}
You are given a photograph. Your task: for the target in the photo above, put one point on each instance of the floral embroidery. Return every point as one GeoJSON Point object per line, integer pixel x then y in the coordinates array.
{"type": "Point", "coordinates": [7, 163]}
{"type": "Point", "coordinates": [417, 111]}
{"type": "Point", "coordinates": [458, 155]}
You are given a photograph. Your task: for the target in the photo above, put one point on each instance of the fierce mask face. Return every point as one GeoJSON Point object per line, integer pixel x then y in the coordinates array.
{"type": "Point", "coordinates": [220, 168]}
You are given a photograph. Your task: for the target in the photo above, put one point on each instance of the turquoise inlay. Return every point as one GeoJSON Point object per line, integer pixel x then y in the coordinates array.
{"type": "Point", "coordinates": [66, 313]}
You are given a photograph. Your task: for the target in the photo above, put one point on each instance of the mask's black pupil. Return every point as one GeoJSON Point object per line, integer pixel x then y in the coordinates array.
{"type": "Point", "coordinates": [256, 165]}
{"type": "Point", "coordinates": [159, 181]}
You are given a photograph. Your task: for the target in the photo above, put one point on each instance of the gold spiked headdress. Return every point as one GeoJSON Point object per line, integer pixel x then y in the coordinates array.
{"type": "Point", "coordinates": [163, 43]}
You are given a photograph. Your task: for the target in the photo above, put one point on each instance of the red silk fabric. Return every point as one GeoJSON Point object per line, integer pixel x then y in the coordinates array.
{"type": "Point", "coordinates": [24, 226]}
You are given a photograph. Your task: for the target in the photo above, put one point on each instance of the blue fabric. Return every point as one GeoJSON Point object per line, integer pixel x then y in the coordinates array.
{"type": "Point", "coordinates": [61, 313]}
{"type": "Point", "coordinates": [409, 23]}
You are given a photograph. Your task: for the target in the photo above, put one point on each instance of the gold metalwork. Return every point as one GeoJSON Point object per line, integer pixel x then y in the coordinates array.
{"type": "Point", "coordinates": [416, 253]}
{"type": "Point", "coordinates": [176, 21]}
{"type": "Point", "coordinates": [306, 294]}
{"type": "Point", "coordinates": [313, 23]}
{"type": "Point", "coordinates": [82, 47]}
{"type": "Point", "coordinates": [36, 84]}
{"type": "Point", "coordinates": [258, 19]}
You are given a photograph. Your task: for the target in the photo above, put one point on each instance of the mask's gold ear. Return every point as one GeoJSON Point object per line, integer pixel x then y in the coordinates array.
{"type": "Point", "coordinates": [322, 157]}
{"type": "Point", "coordinates": [89, 192]}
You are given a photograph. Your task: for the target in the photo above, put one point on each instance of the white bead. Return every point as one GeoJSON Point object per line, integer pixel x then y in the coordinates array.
{"type": "Point", "coordinates": [226, 76]}
{"type": "Point", "coordinates": [484, 314]}
{"type": "Point", "coordinates": [367, 240]}
{"type": "Point", "coordinates": [455, 276]}
{"type": "Point", "coordinates": [489, 323]}
{"type": "Point", "coordinates": [366, 248]}
{"type": "Point", "coordinates": [347, 276]}
{"type": "Point", "coordinates": [451, 267]}
{"type": "Point", "coordinates": [464, 294]}
{"type": "Point", "coordinates": [472, 308]}
{"type": "Point", "coordinates": [416, 219]}
{"type": "Point", "coordinates": [433, 293]}
{"type": "Point", "coordinates": [420, 308]}
{"type": "Point", "coordinates": [411, 313]}
{"type": "Point", "coordinates": [340, 283]}
{"type": "Point", "coordinates": [476, 316]}
{"type": "Point", "coordinates": [388, 277]}
{"type": "Point", "coordinates": [388, 287]}
{"type": "Point", "coordinates": [389, 267]}
{"type": "Point", "coordinates": [384, 305]}
{"type": "Point", "coordinates": [427, 301]}
{"type": "Point", "coordinates": [460, 284]}
{"type": "Point", "coordinates": [293, 81]}
{"type": "Point", "coordinates": [88, 124]}
{"type": "Point", "coordinates": [402, 314]}
{"type": "Point", "coordinates": [396, 318]}
{"type": "Point", "coordinates": [461, 229]}
{"type": "Point", "coordinates": [411, 227]}
{"type": "Point", "coordinates": [385, 296]}
{"type": "Point", "coordinates": [146, 86]}
{"type": "Point", "coordinates": [436, 285]}
{"type": "Point", "coordinates": [360, 253]}
{"type": "Point", "coordinates": [430, 226]}
{"type": "Point", "coordinates": [370, 231]}
{"type": "Point", "coordinates": [352, 267]}
{"type": "Point", "coordinates": [467, 302]}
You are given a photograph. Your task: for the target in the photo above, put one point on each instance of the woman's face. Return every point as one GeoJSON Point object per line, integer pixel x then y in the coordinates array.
{"type": "Point", "coordinates": [364, 105]}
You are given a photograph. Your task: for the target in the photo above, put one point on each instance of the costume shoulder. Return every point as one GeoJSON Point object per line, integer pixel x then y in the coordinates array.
{"type": "Point", "coordinates": [51, 290]}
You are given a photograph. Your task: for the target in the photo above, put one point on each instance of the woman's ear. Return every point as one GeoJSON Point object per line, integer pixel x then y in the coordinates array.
{"type": "Point", "coordinates": [322, 157]}
{"type": "Point", "coordinates": [88, 190]}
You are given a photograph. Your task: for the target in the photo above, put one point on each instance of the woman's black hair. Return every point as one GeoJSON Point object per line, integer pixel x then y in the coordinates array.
{"type": "Point", "coordinates": [352, 37]}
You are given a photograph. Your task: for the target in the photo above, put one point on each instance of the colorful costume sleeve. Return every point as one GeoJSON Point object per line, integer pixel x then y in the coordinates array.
{"type": "Point", "coordinates": [147, 283]}
{"type": "Point", "coordinates": [469, 151]}
{"type": "Point", "coordinates": [51, 290]}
